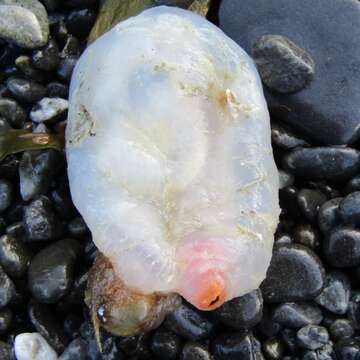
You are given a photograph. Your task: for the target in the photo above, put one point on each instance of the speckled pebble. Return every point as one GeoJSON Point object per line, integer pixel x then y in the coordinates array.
{"type": "Point", "coordinates": [312, 337]}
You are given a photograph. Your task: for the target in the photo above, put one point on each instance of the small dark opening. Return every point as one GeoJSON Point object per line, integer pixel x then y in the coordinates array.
{"type": "Point", "coordinates": [215, 301]}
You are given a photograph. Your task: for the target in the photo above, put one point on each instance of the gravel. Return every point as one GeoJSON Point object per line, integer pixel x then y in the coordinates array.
{"type": "Point", "coordinates": [308, 307]}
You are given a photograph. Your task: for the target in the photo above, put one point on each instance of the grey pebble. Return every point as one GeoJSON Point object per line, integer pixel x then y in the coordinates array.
{"type": "Point", "coordinates": [12, 112]}
{"type": "Point", "coordinates": [48, 57]}
{"type": "Point", "coordinates": [26, 91]}
{"type": "Point", "coordinates": [7, 289]}
{"type": "Point", "coordinates": [312, 337]}
{"type": "Point", "coordinates": [341, 329]}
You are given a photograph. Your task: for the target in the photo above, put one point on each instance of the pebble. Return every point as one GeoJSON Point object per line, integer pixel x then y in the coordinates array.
{"type": "Point", "coordinates": [24, 22]}
{"type": "Point", "coordinates": [51, 271]}
{"type": "Point", "coordinates": [308, 236]}
{"type": "Point", "coordinates": [71, 325]}
{"type": "Point", "coordinates": [47, 58]}
{"type": "Point", "coordinates": [348, 349]}
{"type": "Point", "coordinates": [7, 289]}
{"type": "Point", "coordinates": [285, 179]}
{"type": "Point", "coordinates": [283, 239]}
{"type": "Point", "coordinates": [323, 163]}
{"type": "Point", "coordinates": [79, 22]}
{"type": "Point", "coordinates": [285, 138]}
{"type": "Point", "coordinates": [342, 247]}
{"type": "Point", "coordinates": [283, 66]}
{"type": "Point", "coordinates": [189, 323]}
{"type": "Point", "coordinates": [353, 185]}
{"type": "Point", "coordinates": [336, 293]}
{"type": "Point", "coordinates": [296, 315]}
{"type": "Point", "coordinates": [309, 202]}
{"type": "Point", "coordinates": [61, 200]}
{"type": "Point", "coordinates": [288, 336]}
{"type": "Point", "coordinates": [32, 346]}
{"type": "Point", "coordinates": [328, 216]}
{"type": "Point", "coordinates": [288, 201]}
{"type": "Point", "coordinates": [242, 312]}
{"type": "Point", "coordinates": [273, 349]}
{"type": "Point", "coordinates": [77, 293]}
{"type": "Point", "coordinates": [341, 329]}
{"type": "Point", "coordinates": [12, 112]}
{"type": "Point", "coordinates": [43, 320]}
{"type": "Point", "coordinates": [40, 221]}
{"type": "Point", "coordinates": [194, 351]}
{"type": "Point", "coordinates": [354, 309]}
{"type": "Point", "coordinates": [349, 208]}
{"type": "Point", "coordinates": [14, 256]}
{"type": "Point", "coordinates": [48, 109]}
{"type": "Point", "coordinates": [165, 344]}
{"type": "Point", "coordinates": [312, 337]}
{"type": "Point", "coordinates": [57, 90]}
{"type": "Point", "coordinates": [36, 171]}
{"type": "Point", "coordinates": [76, 350]}
{"type": "Point", "coordinates": [66, 67]}
{"type": "Point", "coordinates": [326, 110]}
{"type": "Point", "coordinates": [268, 326]}
{"type": "Point", "coordinates": [26, 91]}
{"type": "Point", "coordinates": [233, 346]}
{"type": "Point", "coordinates": [24, 64]}
{"type": "Point", "coordinates": [295, 274]}
{"type": "Point", "coordinates": [5, 320]}
{"type": "Point", "coordinates": [5, 194]}
{"type": "Point", "coordinates": [326, 352]}
{"type": "Point", "coordinates": [71, 47]}
{"type": "Point", "coordinates": [16, 230]}
{"type": "Point", "coordinates": [77, 227]}
{"type": "Point", "coordinates": [6, 352]}
{"type": "Point", "coordinates": [135, 347]}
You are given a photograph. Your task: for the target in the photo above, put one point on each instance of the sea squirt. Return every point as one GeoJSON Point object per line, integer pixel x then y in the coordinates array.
{"type": "Point", "coordinates": [170, 160]}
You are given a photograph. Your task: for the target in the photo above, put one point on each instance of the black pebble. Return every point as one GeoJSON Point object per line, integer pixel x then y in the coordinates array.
{"type": "Point", "coordinates": [135, 346]}
{"type": "Point", "coordinates": [283, 137]}
{"type": "Point", "coordinates": [79, 22]}
{"type": "Point", "coordinates": [307, 235]}
{"type": "Point", "coordinates": [309, 202]}
{"type": "Point", "coordinates": [7, 289]}
{"type": "Point", "coordinates": [242, 312]}
{"type": "Point", "coordinates": [77, 227]}
{"type": "Point", "coordinates": [26, 91]}
{"type": "Point", "coordinates": [66, 67]}
{"type": "Point", "coordinates": [348, 349]}
{"type": "Point", "coordinates": [12, 112]}
{"type": "Point", "coordinates": [76, 350]}
{"type": "Point", "coordinates": [189, 323]}
{"type": "Point", "coordinates": [14, 256]}
{"type": "Point", "coordinates": [5, 320]}
{"type": "Point", "coordinates": [312, 337]}
{"type": "Point", "coordinates": [165, 344]}
{"type": "Point", "coordinates": [6, 352]}
{"type": "Point", "coordinates": [336, 293]}
{"type": "Point", "coordinates": [40, 220]}
{"type": "Point", "coordinates": [195, 351]}
{"type": "Point", "coordinates": [57, 89]}
{"type": "Point", "coordinates": [43, 319]}
{"type": "Point", "coordinates": [354, 309]}
{"type": "Point", "coordinates": [342, 247]}
{"type": "Point", "coordinates": [295, 274]}
{"type": "Point", "coordinates": [349, 208]}
{"type": "Point", "coordinates": [51, 271]}
{"type": "Point", "coordinates": [6, 194]}
{"type": "Point", "coordinates": [47, 58]}
{"type": "Point", "coordinates": [341, 329]}
{"type": "Point", "coordinates": [353, 185]}
{"type": "Point", "coordinates": [296, 315]}
{"type": "Point", "coordinates": [328, 216]}
{"type": "Point", "coordinates": [328, 163]}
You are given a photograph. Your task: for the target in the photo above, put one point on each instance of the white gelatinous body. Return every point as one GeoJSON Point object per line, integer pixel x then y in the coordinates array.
{"type": "Point", "coordinates": [170, 160]}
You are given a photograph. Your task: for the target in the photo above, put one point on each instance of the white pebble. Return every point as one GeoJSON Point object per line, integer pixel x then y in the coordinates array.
{"type": "Point", "coordinates": [47, 109]}
{"type": "Point", "coordinates": [32, 346]}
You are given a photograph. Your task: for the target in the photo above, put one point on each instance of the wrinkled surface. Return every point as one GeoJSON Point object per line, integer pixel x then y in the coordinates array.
{"type": "Point", "coordinates": [170, 161]}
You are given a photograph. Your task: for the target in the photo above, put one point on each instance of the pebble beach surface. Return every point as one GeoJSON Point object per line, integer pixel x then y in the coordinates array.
{"type": "Point", "coordinates": [307, 308]}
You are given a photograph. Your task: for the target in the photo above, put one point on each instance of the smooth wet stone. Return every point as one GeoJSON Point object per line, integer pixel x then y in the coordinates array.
{"type": "Point", "coordinates": [328, 216]}
{"type": "Point", "coordinates": [165, 344]}
{"type": "Point", "coordinates": [354, 309]}
{"type": "Point", "coordinates": [242, 312]}
{"type": "Point", "coordinates": [14, 256]}
{"type": "Point", "coordinates": [77, 227]}
{"type": "Point", "coordinates": [348, 349]}
{"type": "Point", "coordinates": [312, 337]}
{"type": "Point", "coordinates": [234, 346]}
{"type": "Point", "coordinates": [342, 247]}
{"type": "Point", "coordinates": [24, 22]}
{"type": "Point", "coordinates": [353, 185]}
{"type": "Point", "coordinates": [328, 109]}
{"type": "Point", "coordinates": [51, 271]}
{"type": "Point", "coordinates": [40, 220]}
{"type": "Point", "coordinates": [323, 163]}
{"type": "Point", "coordinates": [7, 289]}
{"type": "Point", "coordinates": [336, 293]}
{"type": "Point", "coordinates": [326, 352]}
{"type": "Point", "coordinates": [43, 320]}
{"type": "Point", "coordinates": [46, 58]}
{"type": "Point", "coordinates": [189, 323]}
{"type": "Point", "coordinates": [79, 22]}
{"type": "Point", "coordinates": [285, 138]}
{"type": "Point", "coordinates": [283, 66]}
{"type": "Point", "coordinates": [24, 64]}
{"type": "Point", "coordinates": [57, 89]}
{"type": "Point", "coordinates": [32, 346]}
{"type": "Point", "coordinates": [36, 171]}
{"type": "Point", "coordinates": [295, 274]}
{"type": "Point", "coordinates": [349, 208]}
{"type": "Point", "coordinates": [285, 179]}
{"type": "Point", "coordinates": [66, 67]}
{"type": "Point", "coordinates": [6, 194]}
{"type": "Point", "coordinates": [341, 329]}
{"type": "Point", "coordinates": [48, 109]}
{"type": "Point", "coordinates": [76, 350]}
{"type": "Point", "coordinates": [12, 112]}
{"type": "Point", "coordinates": [288, 201]}
{"type": "Point", "coordinates": [26, 91]}
{"type": "Point", "coordinates": [61, 201]}
{"type": "Point", "coordinates": [296, 315]}
{"type": "Point", "coordinates": [309, 202]}
{"type": "Point", "coordinates": [194, 351]}
{"type": "Point", "coordinates": [5, 320]}
{"type": "Point", "coordinates": [308, 236]}
{"type": "Point", "coordinates": [273, 349]}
